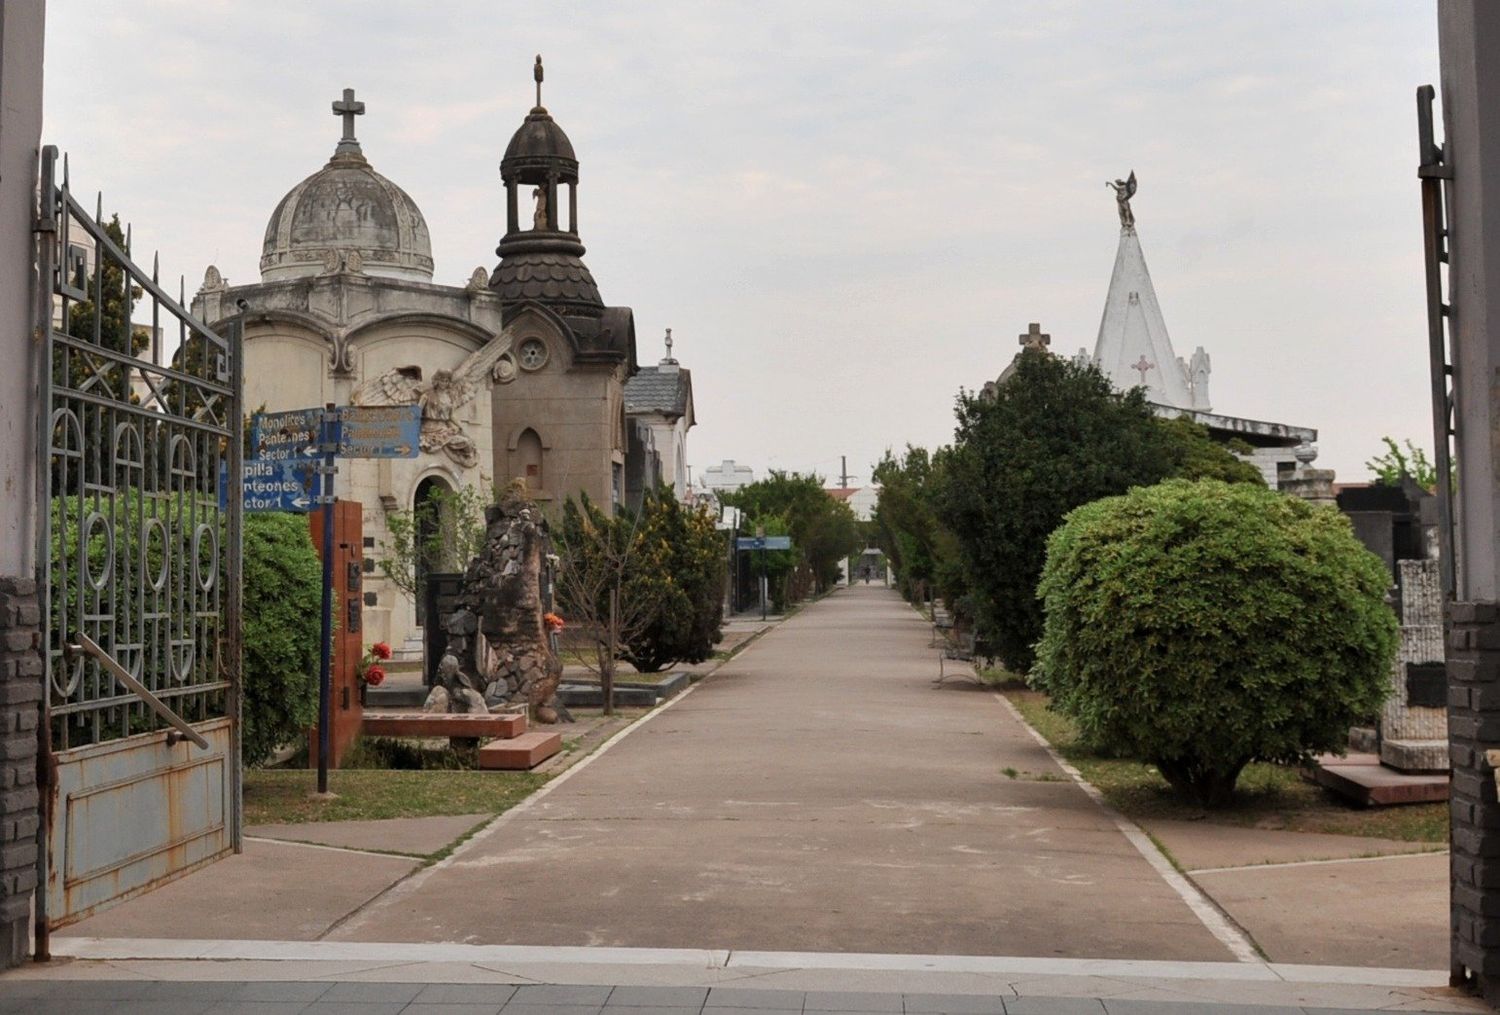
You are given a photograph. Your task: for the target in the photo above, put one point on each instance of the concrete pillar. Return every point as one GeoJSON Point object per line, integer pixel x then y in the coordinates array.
{"type": "Point", "coordinates": [21, 32]}
{"type": "Point", "coordinates": [1469, 44]}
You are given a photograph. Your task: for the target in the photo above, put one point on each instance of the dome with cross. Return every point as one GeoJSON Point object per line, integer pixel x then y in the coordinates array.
{"type": "Point", "coordinates": [346, 217]}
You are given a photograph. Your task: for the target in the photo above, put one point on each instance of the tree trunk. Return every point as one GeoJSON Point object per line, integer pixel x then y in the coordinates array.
{"type": "Point", "coordinates": [607, 672]}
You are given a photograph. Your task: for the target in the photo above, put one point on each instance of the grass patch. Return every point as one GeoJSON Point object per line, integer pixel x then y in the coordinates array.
{"type": "Point", "coordinates": [1267, 796]}
{"type": "Point", "coordinates": [279, 795]}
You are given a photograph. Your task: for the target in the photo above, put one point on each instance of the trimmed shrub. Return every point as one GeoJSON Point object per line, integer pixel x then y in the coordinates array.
{"type": "Point", "coordinates": [1201, 626]}
{"type": "Point", "coordinates": [282, 608]}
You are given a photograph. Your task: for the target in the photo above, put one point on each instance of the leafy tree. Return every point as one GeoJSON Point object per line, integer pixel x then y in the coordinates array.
{"type": "Point", "coordinates": [443, 533]}
{"type": "Point", "coordinates": [611, 578]}
{"type": "Point", "coordinates": [689, 614]}
{"type": "Point", "coordinates": [1201, 626]}
{"type": "Point", "coordinates": [1196, 455]}
{"type": "Point", "coordinates": [1397, 462]}
{"type": "Point", "coordinates": [283, 594]}
{"type": "Point", "coordinates": [906, 525]}
{"type": "Point", "coordinates": [1055, 436]}
{"type": "Point", "coordinates": [824, 531]}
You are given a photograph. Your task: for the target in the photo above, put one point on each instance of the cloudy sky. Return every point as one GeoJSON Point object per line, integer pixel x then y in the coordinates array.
{"type": "Point", "coordinates": [844, 211]}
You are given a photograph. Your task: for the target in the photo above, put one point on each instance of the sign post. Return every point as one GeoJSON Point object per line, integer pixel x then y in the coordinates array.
{"type": "Point", "coordinates": [291, 447]}
{"type": "Point", "coordinates": [761, 542]}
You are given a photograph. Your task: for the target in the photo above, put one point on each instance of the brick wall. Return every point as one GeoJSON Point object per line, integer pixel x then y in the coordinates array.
{"type": "Point", "coordinates": [1474, 728]}
{"type": "Point", "coordinates": [20, 698]}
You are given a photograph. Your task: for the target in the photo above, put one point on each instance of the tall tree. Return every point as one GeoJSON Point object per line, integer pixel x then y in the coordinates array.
{"type": "Point", "coordinates": [824, 531]}
{"type": "Point", "coordinates": [1055, 436]}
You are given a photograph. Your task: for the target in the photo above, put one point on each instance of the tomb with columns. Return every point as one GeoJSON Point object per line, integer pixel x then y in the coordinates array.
{"type": "Point", "coordinates": [519, 372]}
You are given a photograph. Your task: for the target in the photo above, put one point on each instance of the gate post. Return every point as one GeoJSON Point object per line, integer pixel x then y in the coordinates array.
{"type": "Point", "coordinates": [21, 31]}
{"type": "Point", "coordinates": [1468, 38]}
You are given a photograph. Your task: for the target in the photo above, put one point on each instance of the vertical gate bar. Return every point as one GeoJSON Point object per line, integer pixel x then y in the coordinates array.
{"type": "Point", "coordinates": [234, 642]}
{"type": "Point", "coordinates": [46, 226]}
{"type": "Point", "coordinates": [326, 501]}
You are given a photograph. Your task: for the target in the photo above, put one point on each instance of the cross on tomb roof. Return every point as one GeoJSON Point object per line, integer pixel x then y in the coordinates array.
{"type": "Point", "coordinates": [1034, 338]}
{"type": "Point", "coordinates": [1142, 365]}
{"type": "Point", "coordinates": [348, 108]}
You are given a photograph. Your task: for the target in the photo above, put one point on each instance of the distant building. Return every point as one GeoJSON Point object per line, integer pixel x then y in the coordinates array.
{"type": "Point", "coordinates": [861, 499]}
{"type": "Point", "coordinates": [726, 478]}
{"type": "Point", "coordinates": [660, 398]}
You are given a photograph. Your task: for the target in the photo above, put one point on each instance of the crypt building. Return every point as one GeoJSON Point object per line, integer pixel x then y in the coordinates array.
{"type": "Point", "coordinates": [519, 372]}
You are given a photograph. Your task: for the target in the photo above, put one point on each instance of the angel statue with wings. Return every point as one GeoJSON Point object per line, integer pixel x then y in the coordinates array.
{"type": "Point", "coordinates": [442, 396]}
{"type": "Point", "coordinates": [1124, 191]}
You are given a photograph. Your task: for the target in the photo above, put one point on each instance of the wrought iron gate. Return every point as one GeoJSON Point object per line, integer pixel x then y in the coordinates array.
{"type": "Point", "coordinates": [141, 569]}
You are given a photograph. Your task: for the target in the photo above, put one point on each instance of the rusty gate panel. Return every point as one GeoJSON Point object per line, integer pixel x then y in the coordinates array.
{"type": "Point", "coordinates": [165, 806]}
{"type": "Point", "coordinates": [140, 544]}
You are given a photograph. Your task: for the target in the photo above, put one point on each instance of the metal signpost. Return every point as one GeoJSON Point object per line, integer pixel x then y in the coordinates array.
{"type": "Point", "coordinates": [762, 542]}
{"type": "Point", "coordinates": [291, 447]}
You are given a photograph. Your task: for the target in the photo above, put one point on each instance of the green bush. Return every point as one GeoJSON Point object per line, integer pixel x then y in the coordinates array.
{"type": "Point", "coordinates": [689, 616]}
{"type": "Point", "coordinates": [1201, 626]}
{"type": "Point", "coordinates": [282, 607]}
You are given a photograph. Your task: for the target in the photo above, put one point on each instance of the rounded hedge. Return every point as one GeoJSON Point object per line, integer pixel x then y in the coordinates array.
{"type": "Point", "coordinates": [1201, 626]}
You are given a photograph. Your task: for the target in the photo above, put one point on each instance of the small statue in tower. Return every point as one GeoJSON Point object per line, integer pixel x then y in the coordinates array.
{"type": "Point", "coordinates": [1124, 191]}
{"type": "Point", "coordinates": [539, 217]}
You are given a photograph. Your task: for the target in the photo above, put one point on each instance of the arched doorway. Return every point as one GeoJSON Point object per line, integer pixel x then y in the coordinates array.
{"type": "Point", "coordinates": [529, 459]}
{"type": "Point", "coordinates": [428, 506]}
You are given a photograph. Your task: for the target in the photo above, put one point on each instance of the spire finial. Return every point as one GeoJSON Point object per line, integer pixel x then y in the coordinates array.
{"type": "Point", "coordinates": [348, 108]}
{"type": "Point", "coordinates": [536, 72]}
{"type": "Point", "coordinates": [669, 343]}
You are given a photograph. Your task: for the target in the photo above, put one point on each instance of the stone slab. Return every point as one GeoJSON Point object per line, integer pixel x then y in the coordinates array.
{"type": "Point", "coordinates": [417, 836]}
{"type": "Point", "coordinates": [499, 725]}
{"type": "Point", "coordinates": [520, 753]}
{"type": "Point", "coordinates": [1364, 780]}
{"type": "Point", "coordinates": [592, 696]}
{"type": "Point", "coordinates": [1197, 845]}
{"type": "Point", "coordinates": [271, 891]}
{"type": "Point", "coordinates": [1387, 912]}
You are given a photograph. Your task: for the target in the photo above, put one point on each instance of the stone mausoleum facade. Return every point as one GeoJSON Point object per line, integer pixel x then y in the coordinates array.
{"type": "Point", "coordinates": [519, 372]}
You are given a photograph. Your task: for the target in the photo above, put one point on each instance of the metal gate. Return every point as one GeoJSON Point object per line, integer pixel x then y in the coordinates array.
{"type": "Point", "coordinates": [141, 579]}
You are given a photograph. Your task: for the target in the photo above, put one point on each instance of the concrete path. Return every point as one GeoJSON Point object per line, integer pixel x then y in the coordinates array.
{"type": "Point", "coordinates": [817, 794]}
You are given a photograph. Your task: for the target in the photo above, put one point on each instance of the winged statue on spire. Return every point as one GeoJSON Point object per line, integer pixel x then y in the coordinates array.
{"type": "Point", "coordinates": [443, 395]}
{"type": "Point", "coordinates": [1124, 191]}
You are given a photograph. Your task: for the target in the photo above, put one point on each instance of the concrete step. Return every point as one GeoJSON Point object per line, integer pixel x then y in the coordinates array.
{"type": "Point", "coordinates": [391, 695]}
{"type": "Point", "coordinates": [1364, 780]}
{"type": "Point", "coordinates": [520, 753]}
{"type": "Point", "coordinates": [591, 696]}
{"type": "Point", "coordinates": [475, 726]}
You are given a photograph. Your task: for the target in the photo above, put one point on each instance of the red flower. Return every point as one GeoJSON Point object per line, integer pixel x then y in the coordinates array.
{"type": "Point", "coordinates": [553, 621]}
{"type": "Point", "coordinates": [374, 676]}
{"type": "Point", "coordinates": [380, 650]}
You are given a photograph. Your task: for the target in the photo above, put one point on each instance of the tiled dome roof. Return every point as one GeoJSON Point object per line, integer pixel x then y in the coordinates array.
{"type": "Point", "coordinates": [550, 278]}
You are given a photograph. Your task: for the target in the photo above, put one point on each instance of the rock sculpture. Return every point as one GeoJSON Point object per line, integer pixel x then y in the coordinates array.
{"type": "Point", "coordinates": [502, 604]}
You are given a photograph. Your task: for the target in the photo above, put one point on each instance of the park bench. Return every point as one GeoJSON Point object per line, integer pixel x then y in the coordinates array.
{"type": "Point", "coordinates": [509, 744]}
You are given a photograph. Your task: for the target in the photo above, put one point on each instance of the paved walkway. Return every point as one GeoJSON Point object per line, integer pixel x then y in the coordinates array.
{"type": "Point", "coordinates": [815, 828]}
{"type": "Point", "coordinates": [817, 794]}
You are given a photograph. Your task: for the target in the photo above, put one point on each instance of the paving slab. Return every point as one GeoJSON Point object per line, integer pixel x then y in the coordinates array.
{"type": "Point", "coordinates": [417, 836]}
{"type": "Point", "coordinates": [272, 891]}
{"type": "Point", "coordinates": [1387, 912]}
{"type": "Point", "coordinates": [816, 794]}
{"type": "Point", "coordinates": [1197, 845]}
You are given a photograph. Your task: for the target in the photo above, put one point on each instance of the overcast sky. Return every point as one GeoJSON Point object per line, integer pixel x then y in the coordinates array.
{"type": "Point", "coordinates": [844, 211]}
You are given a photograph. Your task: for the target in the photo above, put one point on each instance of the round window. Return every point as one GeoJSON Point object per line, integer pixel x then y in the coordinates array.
{"type": "Point", "coordinates": [533, 353]}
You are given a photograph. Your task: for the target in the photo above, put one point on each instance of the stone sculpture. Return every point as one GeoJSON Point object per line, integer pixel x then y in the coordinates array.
{"type": "Point", "coordinates": [502, 604]}
{"type": "Point", "coordinates": [442, 397]}
{"type": "Point", "coordinates": [1124, 191]}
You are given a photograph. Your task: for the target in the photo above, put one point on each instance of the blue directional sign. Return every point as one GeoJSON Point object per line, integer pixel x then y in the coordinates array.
{"type": "Point", "coordinates": [273, 485]}
{"type": "Point", "coordinates": [764, 543]}
{"type": "Point", "coordinates": [278, 436]}
{"type": "Point", "coordinates": [379, 431]}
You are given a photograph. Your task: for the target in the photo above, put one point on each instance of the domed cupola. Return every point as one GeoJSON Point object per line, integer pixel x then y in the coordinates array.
{"type": "Point", "coordinates": [543, 262]}
{"type": "Point", "coordinates": [346, 215]}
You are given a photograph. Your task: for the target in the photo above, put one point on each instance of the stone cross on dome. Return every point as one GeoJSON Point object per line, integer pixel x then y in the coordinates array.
{"type": "Point", "coordinates": [1035, 338]}
{"type": "Point", "coordinates": [348, 108]}
{"type": "Point", "coordinates": [1143, 365]}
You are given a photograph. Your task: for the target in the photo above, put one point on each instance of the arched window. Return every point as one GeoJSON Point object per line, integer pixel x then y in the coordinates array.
{"type": "Point", "coordinates": [427, 511]}
{"type": "Point", "coordinates": [528, 459]}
